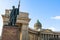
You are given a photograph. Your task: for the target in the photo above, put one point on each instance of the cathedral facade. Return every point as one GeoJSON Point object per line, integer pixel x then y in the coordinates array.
{"type": "Point", "coordinates": [27, 33]}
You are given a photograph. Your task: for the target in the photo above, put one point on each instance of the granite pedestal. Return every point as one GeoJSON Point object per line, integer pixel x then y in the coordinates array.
{"type": "Point", "coordinates": [10, 33]}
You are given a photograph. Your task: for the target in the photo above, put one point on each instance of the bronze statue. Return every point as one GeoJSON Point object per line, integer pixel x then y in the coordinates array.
{"type": "Point", "coordinates": [13, 16]}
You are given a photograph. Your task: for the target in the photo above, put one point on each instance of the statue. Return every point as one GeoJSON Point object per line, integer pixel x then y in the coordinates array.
{"type": "Point", "coordinates": [13, 16]}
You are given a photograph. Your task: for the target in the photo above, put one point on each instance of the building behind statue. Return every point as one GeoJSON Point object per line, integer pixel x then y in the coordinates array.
{"type": "Point", "coordinates": [27, 33]}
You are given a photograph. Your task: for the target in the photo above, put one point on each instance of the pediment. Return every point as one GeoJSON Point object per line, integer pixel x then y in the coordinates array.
{"type": "Point", "coordinates": [47, 31]}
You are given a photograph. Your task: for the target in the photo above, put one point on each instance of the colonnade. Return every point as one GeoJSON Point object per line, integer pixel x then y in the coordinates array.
{"type": "Point", "coordinates": [48, 36]}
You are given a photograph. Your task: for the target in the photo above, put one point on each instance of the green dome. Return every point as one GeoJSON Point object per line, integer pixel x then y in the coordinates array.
{"type": "Point", "coordinates": [38, 25]}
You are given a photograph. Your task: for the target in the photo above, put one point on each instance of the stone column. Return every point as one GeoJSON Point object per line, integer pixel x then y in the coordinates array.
{"type": "Point", "coordinates": [47, 36]}
{"type": "Point", "coordinates": [39, 38]}
{"type": "Point", "coordinates": [43, 36]}
{"type": "Point", "coordinates": [24, 30]}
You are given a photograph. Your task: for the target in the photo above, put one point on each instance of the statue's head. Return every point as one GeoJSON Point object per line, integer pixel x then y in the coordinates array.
{"type": "Point", "coordinates": [13, 7]}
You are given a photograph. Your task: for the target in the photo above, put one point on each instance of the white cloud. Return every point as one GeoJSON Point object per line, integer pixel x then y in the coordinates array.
{"type": "Point", "coordinates": [1, 25]}
{"type": "Point", "coordinates": [56, 17]}
{"type": "Point", "coordinates": [52, 28]}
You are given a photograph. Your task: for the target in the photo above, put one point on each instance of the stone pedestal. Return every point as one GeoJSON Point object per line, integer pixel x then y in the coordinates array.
{"type": "Point", "coordinates": [10, 33]}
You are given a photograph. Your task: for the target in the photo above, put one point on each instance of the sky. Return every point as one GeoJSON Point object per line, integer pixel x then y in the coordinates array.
{"type": "Point", "coordinates": [46, 11]}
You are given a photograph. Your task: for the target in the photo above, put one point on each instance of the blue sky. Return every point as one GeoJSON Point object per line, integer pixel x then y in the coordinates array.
{"type": "Point", "coordinates": [47, 11]}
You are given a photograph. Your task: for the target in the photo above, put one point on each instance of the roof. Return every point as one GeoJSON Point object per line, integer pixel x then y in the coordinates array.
{"type": "Point", "coordinates": [43, 31]}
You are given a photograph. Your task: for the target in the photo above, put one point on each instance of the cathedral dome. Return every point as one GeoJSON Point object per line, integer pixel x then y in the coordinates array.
{"type": "Point", "coordinates": [37, 25]}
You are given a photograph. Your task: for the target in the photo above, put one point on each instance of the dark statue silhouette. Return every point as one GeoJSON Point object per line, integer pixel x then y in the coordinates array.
{"type": "Point", "coordinates": [13, 16]}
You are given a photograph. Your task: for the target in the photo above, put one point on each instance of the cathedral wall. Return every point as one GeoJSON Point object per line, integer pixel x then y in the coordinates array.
{"type": "Point", "coordinates": [33, 36]}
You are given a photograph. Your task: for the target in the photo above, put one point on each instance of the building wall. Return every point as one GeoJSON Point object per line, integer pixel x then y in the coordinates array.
{"type": "Point", "coordinates": [33, 36]}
